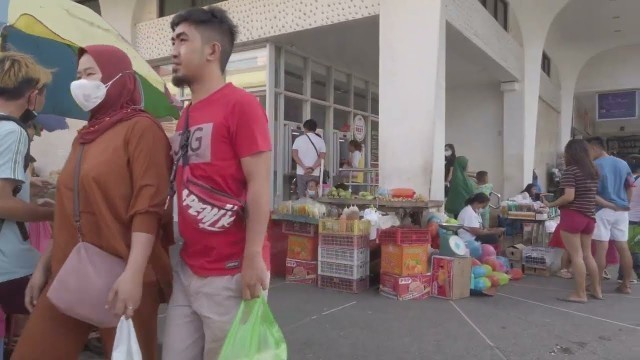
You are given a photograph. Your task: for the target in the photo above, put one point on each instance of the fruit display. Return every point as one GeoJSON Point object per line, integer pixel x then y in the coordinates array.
{"type": "Point", "coordinates": [303, 207]}
{"type": "Point", "coordinates": [339, 193]}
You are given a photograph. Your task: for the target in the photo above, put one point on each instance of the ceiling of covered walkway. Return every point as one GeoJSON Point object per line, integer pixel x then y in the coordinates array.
{"type": "Point", "coordinates": [354, 46]}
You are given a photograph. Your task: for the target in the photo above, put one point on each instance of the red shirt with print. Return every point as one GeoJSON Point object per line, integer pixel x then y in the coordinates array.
{"type": "Point", "coordinates": [228, 125]}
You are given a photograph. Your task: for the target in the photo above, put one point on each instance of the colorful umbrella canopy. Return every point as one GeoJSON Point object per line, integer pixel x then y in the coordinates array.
{"type": "Point", "coordinates": [52, 31]}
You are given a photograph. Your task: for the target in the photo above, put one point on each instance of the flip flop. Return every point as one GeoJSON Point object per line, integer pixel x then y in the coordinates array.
{"type": "Point", "coordinates": [575, 301]}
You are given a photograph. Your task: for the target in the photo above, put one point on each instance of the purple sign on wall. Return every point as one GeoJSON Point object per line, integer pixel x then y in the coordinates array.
{"type": "Point", "coordinates": [617, 105]}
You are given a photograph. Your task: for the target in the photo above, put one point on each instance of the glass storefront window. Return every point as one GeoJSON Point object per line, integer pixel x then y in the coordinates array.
{"type": "Point", "coordinates": [375, 142]}
{"type": "Point", "coordinates": [294, 71]}
{"type": "Point", "coordinates": [341, 89]}
{"type": "Point", "coordinates": [293, 109]}
{"type": "Point", "coordinates": [341, 120]}
{"type": "Point", "coordinates": [375, 100]}
{"type": "Point", "coordinates": [319, 82]}
{"type": "Point", "coordinates": [278, 68]}
{"type": "Point", "coordinates": [319, 114]}
{"type": "Point", "coordinates": [360, 95]}
{"type": "Point", "coordinates": [248, 69]}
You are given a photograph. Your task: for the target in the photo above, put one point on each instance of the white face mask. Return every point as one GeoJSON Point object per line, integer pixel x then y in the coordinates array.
{"type": "Point", "coordinates": [89, 93]}
{"type": "Point", "coordinates": [447, 153]}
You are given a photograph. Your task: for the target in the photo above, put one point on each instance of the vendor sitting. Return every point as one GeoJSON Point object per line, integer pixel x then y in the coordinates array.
{"type": "Point", "coordinates": [472, 221]}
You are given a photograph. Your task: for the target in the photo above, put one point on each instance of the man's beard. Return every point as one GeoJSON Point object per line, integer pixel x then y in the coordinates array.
{"type": "Point", "coordinates": [180, 81]}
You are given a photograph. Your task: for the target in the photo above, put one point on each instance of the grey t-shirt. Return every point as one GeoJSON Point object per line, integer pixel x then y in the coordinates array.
{"type": "Point", "coordinates": [17, 257]}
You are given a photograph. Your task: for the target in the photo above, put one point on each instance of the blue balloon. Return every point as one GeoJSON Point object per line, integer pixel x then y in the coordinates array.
{"type": "Point", "coordinates": [475, 250]}
{"type": "Point", "coordinates": [504, 261]}
{"type": "Point", "coordinates": [479, 271]}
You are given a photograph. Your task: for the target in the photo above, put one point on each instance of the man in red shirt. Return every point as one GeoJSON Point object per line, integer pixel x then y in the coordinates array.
{"type": "Point", "coordinates": [223, 152]}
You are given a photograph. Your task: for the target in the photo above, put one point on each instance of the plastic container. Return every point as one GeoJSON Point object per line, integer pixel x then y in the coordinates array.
{"type": "Point", "coordinates": [341, 284]}
{"type": "Point", "coordinates": [405, 236]}
{"type": "Point", "coordinates": [347, 271]}
{"type": "Point", "coordinates": [344, 227]}
{"type": "Point", "coordinates": [343, 255]}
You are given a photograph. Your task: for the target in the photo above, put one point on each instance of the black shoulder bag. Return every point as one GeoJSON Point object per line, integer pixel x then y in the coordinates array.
{"type": "Point", "coordinates": [22, 227]}
{"type": "Point", "coordinates": [325, 173]}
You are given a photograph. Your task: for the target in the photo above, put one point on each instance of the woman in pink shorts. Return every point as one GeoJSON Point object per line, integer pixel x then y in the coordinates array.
{"type": "Point", "coordinates": [577, 217]}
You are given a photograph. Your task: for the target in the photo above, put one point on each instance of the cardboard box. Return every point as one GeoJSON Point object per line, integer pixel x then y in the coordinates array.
{"type": "Point", "coordinates": [404, 260]}
{"type": "Point", "coordinates": [515, 252]}
{"type": "Point", "coordinates": [302, 272]}
{"type": "Point", "coordinates": [536, 271]}
{"type": "Point", "coordinates": [516, 265]}
{"type": "Point", "coordinates": [450, 277]}
{"type": "Point", "coordinates": [302, 248]}
{"type": "Point", "coordinates": [415, 287]}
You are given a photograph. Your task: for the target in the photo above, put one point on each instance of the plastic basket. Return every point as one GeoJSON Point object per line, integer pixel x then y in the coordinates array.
{"type": "Point", "coordinates": [535, 256]}
{"type": "Point", "coordinates": [344, 227]}
{"type": "Point", "coordinates": [348, 271]}
{"type": "Point", "coordinates": [343, 255]}
{"type": "Point", "coordinates": [344, 241]}
{"type": "Point", "coordinates": [298, 228]}
{"type": "Point", "coordinates": [405, 236]}
{"type": "Point", "coordinates": [342, 284]}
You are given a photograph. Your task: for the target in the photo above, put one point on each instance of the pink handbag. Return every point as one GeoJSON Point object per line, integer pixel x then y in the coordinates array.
{"type": "Point", "coordinates": [81, 287]}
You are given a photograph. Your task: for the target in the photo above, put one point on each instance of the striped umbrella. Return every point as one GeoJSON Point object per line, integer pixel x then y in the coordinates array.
{"type": "Point", "coordinates": [52, 31]}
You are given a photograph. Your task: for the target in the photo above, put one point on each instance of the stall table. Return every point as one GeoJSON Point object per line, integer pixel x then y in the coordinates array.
{"type": "Point", "coordinates": [539, 236]}
{"type": "Point", "coordinates": [411, 207]}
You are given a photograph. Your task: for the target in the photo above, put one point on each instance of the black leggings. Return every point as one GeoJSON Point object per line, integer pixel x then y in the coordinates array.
{"type": "Point", "coordinates": [487, 239]}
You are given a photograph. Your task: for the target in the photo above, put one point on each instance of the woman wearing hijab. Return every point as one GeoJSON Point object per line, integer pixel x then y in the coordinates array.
{"type": "Point", "coordinates": [461, 187]}
{"type": "Point", "coordinates": [123, 184]}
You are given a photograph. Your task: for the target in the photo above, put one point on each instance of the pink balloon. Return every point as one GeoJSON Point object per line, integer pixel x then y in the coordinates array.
{"type": "Point", "coordinates": [488, 251]}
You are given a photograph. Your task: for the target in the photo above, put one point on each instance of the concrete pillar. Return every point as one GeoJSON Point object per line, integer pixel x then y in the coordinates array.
{"type": "Point", "coordinates": [515, 173]}
{"type": "Point", "coordinates": [412, 95]}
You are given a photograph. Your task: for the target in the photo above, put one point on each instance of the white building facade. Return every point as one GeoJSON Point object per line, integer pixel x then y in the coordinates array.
{"type": "Point", "coordinates": [508, 82]}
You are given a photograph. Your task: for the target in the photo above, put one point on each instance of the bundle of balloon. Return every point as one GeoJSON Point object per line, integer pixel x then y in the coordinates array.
{"type": "Point", "coordinates": [489, 271]}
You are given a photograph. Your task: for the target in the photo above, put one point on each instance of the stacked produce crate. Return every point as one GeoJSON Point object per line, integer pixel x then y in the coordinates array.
{"type": "Point", "coordinates": [302, 252]}
{"type": "Point", "coordinates": [405, 269]}
{"type": "Point", "coordinates": [344, 255]}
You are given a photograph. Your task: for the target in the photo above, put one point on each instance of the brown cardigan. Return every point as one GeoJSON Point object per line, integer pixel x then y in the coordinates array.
{"type": "Point", "coordinates": [124, 181]}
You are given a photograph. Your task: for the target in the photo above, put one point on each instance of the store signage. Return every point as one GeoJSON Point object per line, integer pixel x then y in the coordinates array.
{"type": "Point", "coordinates": [359, 128]}
{"type": "Point", "coordinates": [617, 105]}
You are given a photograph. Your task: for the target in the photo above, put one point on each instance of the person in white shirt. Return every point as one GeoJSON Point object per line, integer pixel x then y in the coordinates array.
{"type": "Point", "coordinates": [308, 152]}
{"type": "Point", "coordinates": [471, 220]}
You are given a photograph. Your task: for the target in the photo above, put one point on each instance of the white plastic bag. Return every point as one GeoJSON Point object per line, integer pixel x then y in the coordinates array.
{"type": "Point", "coordinates": [126, 345]}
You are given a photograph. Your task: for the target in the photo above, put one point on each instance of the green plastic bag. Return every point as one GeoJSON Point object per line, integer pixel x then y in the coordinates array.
{"type": "Point", "coordinates": [254, 334]}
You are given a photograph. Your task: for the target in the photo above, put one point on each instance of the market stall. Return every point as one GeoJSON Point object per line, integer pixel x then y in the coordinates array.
{"type": "Point", "coordinates": [349, 243]}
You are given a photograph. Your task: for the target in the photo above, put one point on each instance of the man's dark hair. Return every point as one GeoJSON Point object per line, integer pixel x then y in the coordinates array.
{"type": "Point", "coordinates": [211, 22]}
{"type": "Point", "coordinates": [310, 125]}
{"type": "Point", "coordinates": [482, 175]}
{"type": "Point", "coordinates": [597, 141]}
